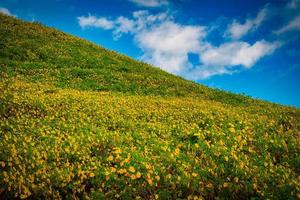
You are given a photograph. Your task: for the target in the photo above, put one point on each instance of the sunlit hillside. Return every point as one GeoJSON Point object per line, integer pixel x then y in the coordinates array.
{"type": "Point", "coordinates": [78, 121]}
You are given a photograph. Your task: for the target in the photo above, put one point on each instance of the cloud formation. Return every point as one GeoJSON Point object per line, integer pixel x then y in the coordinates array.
{"type": "Point", "coordinates": [237, 53]}
{"type": "Point", "coordinates": [150, 3]}
{"type": "Point", "coordinates": [167, 44]}
{"type": "Point", "coordinates": [293, 25]}
{"type": "Point", "coordinates": [237, 30]}
{"type": "Point", "coordinates": [224, 58]}
{"type": "Point", "coordinates": [92, 21]}
{"type": "Point", "coordinates": [6, 12]}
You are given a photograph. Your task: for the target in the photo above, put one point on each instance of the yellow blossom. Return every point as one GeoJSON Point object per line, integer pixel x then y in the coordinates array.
{"type": "Point", "coordinates": [150, 182]}
{"type": "Point", "coordinates": [232, 130]}
{"type": "Point", "coordinates": [138, 175]}
{"type": "Point", "coordinates": [226, 158]}
{"type": "Point", "coordinates": [157, 178]}
{"type": "Point", "coordinates": [113, 169]}
{"type": "Point", "coordinates": [122, 171]}
{"type": "Point", "coordinates": [110, 158]}
{"type": "Point", "coordinates": [131, 169]}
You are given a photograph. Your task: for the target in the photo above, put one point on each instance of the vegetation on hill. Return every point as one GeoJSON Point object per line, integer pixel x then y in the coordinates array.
{"type": "Point", "coordinates": [40, 54]}
{"type": "Point", "coordinates": [80, 122]}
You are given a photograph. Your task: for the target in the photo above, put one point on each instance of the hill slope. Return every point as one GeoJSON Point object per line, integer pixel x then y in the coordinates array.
{"type": "Point", "coordinates": [80, 121]}
{"type": "Point", "coordinates": [43, 54]}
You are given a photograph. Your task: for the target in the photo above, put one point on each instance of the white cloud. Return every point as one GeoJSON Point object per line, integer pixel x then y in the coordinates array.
{"type": "Point", "coordinates": [145, 20]}
{"type": "Point", "coordinates": [92, 21]}
{"type": "Point", "coordinates": [6, 12]}
{"type": "Point", "coordinates": [237, 53]}
{"type": "Point", "coordinates": [123, 25]}
{"type": "Point", "coordinates": [293, 25]}
{"type": "Point", "coordinates": [224, 59]}
{"type": "Point", "coordinates": [237, 30]}
{"type": "Point", "coordinates": [150, 3]}
{"type": "Point", "coordinates": [141, 20]}
{"type": "Point", "coordinates": [167, 45]}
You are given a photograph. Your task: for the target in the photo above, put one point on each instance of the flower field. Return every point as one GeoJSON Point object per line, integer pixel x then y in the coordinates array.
{"type": "Point", "coordinates": [81, 122]}
{"type": "Point", "coordinates": [64, 143]}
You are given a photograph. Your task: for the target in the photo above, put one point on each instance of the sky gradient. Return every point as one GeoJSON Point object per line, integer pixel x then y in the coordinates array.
{"type": "Point", "coordinates": [250, 47]}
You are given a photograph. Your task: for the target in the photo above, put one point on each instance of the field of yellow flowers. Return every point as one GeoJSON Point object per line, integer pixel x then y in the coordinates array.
{"type": "Point", "coordinates": [78, 121]}
{"type": "Point", "coordinates": [64, 143]}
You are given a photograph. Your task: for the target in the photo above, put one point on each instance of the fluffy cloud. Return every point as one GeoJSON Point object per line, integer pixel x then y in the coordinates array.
{"type": "Point", "coordinates": [150, 3]}
{"type": "Point", "coordinates": [237, 30]}
{"type": "Point", "coordinates": [237, 53]}
{"type": "Point", "coordinates": [6, 12]}
{"type": "Point", "coordinates": [92, 21]}
{"type": "Point", "coordinates": [145, 20]}
{"type": "Point", "coordinates": [293, 25]}
{"type": "Point", "coordinates": [224, 58]}
{"type": "Point", "coordinates": [123, 25]}
{"type": "Point", "coordinates": [141, 20]}
{"type": "Point", "coordinates": [166, 43]}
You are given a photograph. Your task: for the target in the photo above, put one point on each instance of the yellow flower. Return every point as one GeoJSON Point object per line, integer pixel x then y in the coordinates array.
{"type": "Point", "coordinates": [110, 158]}
{"type": "Point", "coordinates": [122, 171]}
{"type": "Point", "coordinates": [117, 150]}
{"type": "Point", "coordinates": [226, 158]}
{"type": "Point", "coordinates": [233, 155]}
{"type": "Point", "coordinates": [157, 178]}
{"type": "Point", "coordinates": [138, 175]}
{"type": "Point", "coordinates": [113, 169]}
{"type": "Point", "coordinates": [232, 130]}
{"type": "Point", "coordinates": [149, 180]}
{"type": "Point", "coordinates": [131, 169]}
{"type": "Point", "coordinates": [92, 174]}
{"type": "Point", "coordinates": [194, 174]}
{"type": "Point", "coordinates": [133, 176]}
{"type": "Point", "coordinates": [207, 143]}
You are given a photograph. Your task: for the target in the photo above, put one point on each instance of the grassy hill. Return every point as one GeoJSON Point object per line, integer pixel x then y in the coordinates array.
{"type": "Point", "coordinates": [78, 121]}
{"type": "Point", "coordinates": [41, 54]}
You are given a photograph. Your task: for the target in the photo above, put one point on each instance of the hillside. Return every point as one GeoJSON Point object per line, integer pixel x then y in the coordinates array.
{"type": "Point", "coordinates": [42, 54]}
{"type": "Point", "coordinates": [78, 121]}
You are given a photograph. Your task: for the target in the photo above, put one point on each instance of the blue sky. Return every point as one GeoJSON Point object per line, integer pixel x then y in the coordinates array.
{"type": "Point", "coordinates": [250, 47]}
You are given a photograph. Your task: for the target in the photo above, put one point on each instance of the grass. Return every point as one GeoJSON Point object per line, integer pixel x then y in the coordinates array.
{"type": "Point", "coordinates": [78, 121]}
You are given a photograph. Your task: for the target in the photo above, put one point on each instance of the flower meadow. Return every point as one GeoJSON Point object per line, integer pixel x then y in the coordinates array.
{"type": "Point", "coordinates": [70, 144]}
{"type": "Point", "coordinates": [78, 121]}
